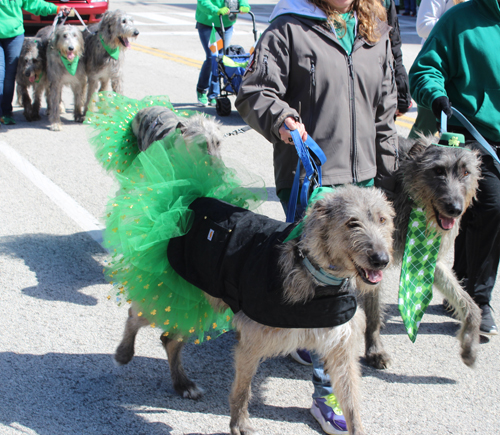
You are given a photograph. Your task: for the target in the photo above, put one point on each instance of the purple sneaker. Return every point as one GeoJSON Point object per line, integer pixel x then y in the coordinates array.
{"type": "Point", "coordinates": [302, 356]}
{"type": "Point", "coordinates": [329, 415]}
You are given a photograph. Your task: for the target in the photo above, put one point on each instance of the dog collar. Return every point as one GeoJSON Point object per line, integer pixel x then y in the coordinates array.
{"type": "Point", "coordinates": [70, 66]}
{"type": "Point", "coordinates": [39, 77]}
{"type": "Point", "coordinates": [113, 52]}
{"type": "Point", "coordinates": [319, 273]}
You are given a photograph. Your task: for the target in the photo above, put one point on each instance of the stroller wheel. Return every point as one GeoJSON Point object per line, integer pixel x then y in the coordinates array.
{"type": "Point", "coordinates": [223, 106]}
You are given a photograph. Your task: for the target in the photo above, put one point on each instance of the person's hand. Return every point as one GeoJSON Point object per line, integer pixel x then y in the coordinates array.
{"type": "Point", "coordinates": [64, 9]}
{"type": "Point", "coordinates": [401, 112]}
{"type": "Point", "coordinates": [223, 11]}
{"type": "Point", "coordinates": [441, 104]}
{"type": "Point", "coordinates": [244, 9]}
{"type": "Point", "coordinates": [292, 124]}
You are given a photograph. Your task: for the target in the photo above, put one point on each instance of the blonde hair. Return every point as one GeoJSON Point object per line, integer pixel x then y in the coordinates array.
{"type": "Point", "coordinates": [367, 11]}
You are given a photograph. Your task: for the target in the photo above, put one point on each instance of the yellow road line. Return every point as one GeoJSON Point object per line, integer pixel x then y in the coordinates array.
{"type": "Point", "coordinates": [404, 123]}
{"type": "Point", "coordinates": [165, 55]}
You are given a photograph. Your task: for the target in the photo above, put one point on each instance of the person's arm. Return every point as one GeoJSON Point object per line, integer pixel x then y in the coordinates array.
{"type": "Point", "coordinates": [402, 84]}
{"type": "Point", "coordinates": [208, 7]}
{"type": "Point", "coordinates": [386, 140]}
{"type": "Point", "coordinates": [428, 15]}
{"type": "Point", "coordinates": [429, 73]}
{"type": "Point", "coordinates": [260, 98]}
{"type": "Point", "coordinates": [40, 7]}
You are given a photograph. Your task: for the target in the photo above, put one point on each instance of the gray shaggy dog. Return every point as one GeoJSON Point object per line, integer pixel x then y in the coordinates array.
{"type": "Point", "coordinates": [443, 181]}
{"type": "Point", "coordinates": [154, 123]}
{"type": "Point", "coordinates": [347, 234]}
{"type": "Point", "coordinates": [32, 74]}
{"type": "Point", "coordinates": [114, 32]}
{"type": "Point", "coordinates": [66, 42]}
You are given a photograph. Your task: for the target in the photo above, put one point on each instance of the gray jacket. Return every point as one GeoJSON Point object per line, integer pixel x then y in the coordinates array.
{"type": "Point", "coordinates": [346, 102]}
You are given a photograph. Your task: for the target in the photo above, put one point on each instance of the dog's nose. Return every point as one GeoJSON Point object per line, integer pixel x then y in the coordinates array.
{"type": "Point", "coordinates": [379, 259]}
{"type": "Point", "coordinates": [453, 208]}
{"type": "Point", "coordinates": [71, 48]}
{"type": "Point", "coordinates": [136, 32]}
{"type": "Point", "coordinates": [27, 73]}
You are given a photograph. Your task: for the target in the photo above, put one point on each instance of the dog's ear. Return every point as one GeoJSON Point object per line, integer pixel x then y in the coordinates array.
{"type": "Point", "coordinates": [417, 149]}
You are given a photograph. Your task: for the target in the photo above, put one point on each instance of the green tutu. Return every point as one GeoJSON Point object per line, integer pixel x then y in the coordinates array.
{"type": "Point", "coordinates": [156, 188]}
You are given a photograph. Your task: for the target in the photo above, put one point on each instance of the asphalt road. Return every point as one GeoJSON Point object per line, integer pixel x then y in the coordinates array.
{"type": "Point", "coordinates": [59, 330]}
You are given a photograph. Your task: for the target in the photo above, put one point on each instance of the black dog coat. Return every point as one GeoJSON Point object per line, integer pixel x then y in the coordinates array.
{"type": "Point", "coordinates": [232, 253]}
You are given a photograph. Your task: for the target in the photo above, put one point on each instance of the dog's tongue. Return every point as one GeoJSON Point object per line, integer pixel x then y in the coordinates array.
{"type": "Point", "coordinates": [374, 276]}
{"type": "Point", "coordinates": [127, 42]}
{"type": "Point", "coordinates": [32, 78]}
{"type": "Point", "coordinates": [70, 56]}
{"type": "Point", "coordinates": [447, 222]}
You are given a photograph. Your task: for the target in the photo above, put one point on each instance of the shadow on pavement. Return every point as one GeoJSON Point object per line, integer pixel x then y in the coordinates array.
{"type": "Point", "coordinates": [62, 264]}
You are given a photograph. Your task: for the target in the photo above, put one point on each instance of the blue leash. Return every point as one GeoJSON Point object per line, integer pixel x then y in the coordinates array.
{"type": "Point", "coordinates": [312, 165]}
{"type": "Point", "coordinates": [485, 146]}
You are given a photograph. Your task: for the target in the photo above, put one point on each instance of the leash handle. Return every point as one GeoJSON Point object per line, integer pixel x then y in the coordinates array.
{"type": "Point", "coordinates": [483, 144]}
{"type": "Point", "coordinates": [312, 167]}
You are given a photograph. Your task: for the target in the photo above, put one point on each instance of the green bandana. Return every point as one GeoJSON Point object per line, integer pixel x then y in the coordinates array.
{"type": "Point", "coordinates": [113, 52]}
{"type": "Point", "coordinates": [417, 271]}
{"type": "Point", "coordinates": [40, 78]}
{"type": "Point", "coordinates": [70, 66]}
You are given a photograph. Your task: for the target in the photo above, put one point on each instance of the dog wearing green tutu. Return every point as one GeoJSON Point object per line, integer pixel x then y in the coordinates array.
{"type": "Point", "coordinates": [436, 183]}
{"type": "Point", "coordinates": [193, 259]}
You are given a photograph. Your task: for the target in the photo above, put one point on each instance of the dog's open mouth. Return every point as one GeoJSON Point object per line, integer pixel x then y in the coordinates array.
{"type": "Point", "coordinates": [124, 41]}
{"type": "Point", "coordinates": [445, 222]}
{"type": "Point", "coordinates": [369, 276]}
{"type": "Point", "coordinates": [70, 55]}
{"type": "Point", "coordinates": [32, 78]}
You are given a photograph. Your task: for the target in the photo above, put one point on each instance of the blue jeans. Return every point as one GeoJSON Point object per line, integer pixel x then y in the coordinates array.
{"type": "Point", "coordinates": [320, 380]}
{"type": "Point", "coordinates": [205, 82]}
{"type": "Point", "coordinates": [10, 49]}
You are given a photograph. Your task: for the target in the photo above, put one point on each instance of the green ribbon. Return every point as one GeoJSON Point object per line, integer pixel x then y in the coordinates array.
{"type": "Point", "coordinates": [417, 270]}
{"type": "Point", "coordinates": [70, 66]}
{"type": "Point", "coordinates": [113, 52]}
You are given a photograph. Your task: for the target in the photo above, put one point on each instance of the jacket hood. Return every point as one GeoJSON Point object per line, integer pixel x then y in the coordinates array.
{"type": "Point", "coordinates": [297, 7]}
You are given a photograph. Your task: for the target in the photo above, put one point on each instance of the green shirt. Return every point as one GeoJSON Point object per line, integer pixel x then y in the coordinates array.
{"type": "Point", "coordinates": [347, 41]}
{"type": "Point", "coordinates": [206, 12]}
{"type": "Point", "coordinates": [11, 14]}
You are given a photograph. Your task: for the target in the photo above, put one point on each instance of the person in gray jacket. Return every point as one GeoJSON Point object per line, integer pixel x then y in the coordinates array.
{"type": "Point", "coordinates": [325, 67]}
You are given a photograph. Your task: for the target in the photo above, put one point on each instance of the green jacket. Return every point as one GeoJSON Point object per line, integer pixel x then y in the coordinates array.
{"type": "Point", "coordinates": [459, 60]}
{"type": "Point", "coordinates": [11, 14]}
{"type": "Point", "coordinates": [206, 12]}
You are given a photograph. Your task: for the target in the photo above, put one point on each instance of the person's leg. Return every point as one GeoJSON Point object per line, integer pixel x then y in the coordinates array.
{"type": "Point", "coordinates": [2, 73]}
{"type": "Point", "coordinates": [11, 51]}
{"type": "Point", "coordinates": [214, 88]}
{"type": "Point", "coordinates": [206, 69]}
{"type": "Point", "coordinates": [425, 123]}
{"type": "Point", "coordinates": [325, 408]}
{"type": "Point", "coordinates": [477, 250]}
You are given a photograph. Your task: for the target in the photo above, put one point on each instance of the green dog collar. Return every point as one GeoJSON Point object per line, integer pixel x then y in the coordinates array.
{"type": "Point", "coordinates": [113, 52]}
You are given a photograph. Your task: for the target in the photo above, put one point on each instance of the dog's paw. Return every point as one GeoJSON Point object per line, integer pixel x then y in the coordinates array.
{"type": "Point", "coordinates": [380, 360]}
{"type": "Point", "coordinates": [79, 118]}
{"type": "Point", "coordinates": [193, 393]}
{"type": "Point", "coordinates": [245, 429]}
{"type": "Point", "coordinates": [56, 127]}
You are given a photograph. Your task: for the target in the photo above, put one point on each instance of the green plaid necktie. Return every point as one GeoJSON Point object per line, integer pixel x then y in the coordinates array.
{"type": "Point", "coordinates": [417, 270]}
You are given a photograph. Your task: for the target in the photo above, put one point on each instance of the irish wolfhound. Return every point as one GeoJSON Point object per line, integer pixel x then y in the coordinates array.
{"type": "Point", "coordinates": [104, 46]}
{"type": "Point", "coordinates": [154, 123]}
{"type": "Point", "coordinates": [347, 235]}
{"type": "Point", "coordinates": [32, 73]}
{"type": "Point", "coordinates": [65, 48]}
{"type": "Point", "coordinates": [443, 181]}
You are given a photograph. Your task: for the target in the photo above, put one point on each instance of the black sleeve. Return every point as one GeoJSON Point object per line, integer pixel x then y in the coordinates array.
{"type": "Point", "coordinates": [404, 97]}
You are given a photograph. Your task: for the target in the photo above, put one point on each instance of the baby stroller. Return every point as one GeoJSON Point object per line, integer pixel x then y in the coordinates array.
{"type": "Point", "coordinates": [228, 69]}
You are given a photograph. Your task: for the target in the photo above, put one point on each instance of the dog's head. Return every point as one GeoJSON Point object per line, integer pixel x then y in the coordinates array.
{"type": "Point", "coordinates": [68, 40]}
{"type": "Point", "coordinates": [348, 233]}
{"type": "Point", "coordinates": [442, 180]}
{"type": "Point", "coordinates": [116, 28]}
{"type": "Point", "coordinates": [31, 59]}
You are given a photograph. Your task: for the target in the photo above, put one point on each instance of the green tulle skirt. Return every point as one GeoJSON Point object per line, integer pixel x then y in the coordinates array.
{"type": "Point", "coordinates": [156, 188]}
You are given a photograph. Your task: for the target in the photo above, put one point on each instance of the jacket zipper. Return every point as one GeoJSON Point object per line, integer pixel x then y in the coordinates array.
{"type": "Point", "coordinates": [311, 90]}
{"type": "Point", "coordinates": [354, 151]}
{"type": "Point", "coordinates": [266, 65]}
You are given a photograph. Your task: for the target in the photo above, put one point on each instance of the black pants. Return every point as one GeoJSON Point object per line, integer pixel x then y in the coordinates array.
{"type": "Point", "coordinates": [477, 247]}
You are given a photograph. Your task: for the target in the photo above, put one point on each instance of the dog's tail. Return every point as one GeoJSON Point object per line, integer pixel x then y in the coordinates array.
{"type": "Point", "coordinates": [124, 127]}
